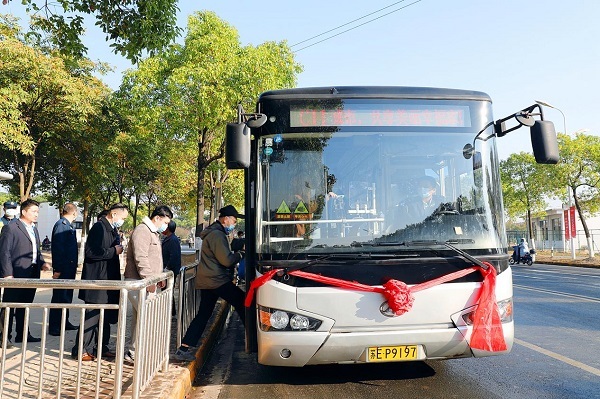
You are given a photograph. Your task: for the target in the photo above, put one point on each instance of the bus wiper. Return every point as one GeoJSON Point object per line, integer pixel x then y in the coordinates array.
{"type": "Point", "coordinates": [303, 265]}
{"type": "Point", "coordinates": [378, 244]}
{"type": "Point", "coordinates": [448, 244]}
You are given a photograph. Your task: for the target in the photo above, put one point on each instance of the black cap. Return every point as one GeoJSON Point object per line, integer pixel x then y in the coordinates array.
{"type": "Point", "coordinates": [10, 205]}
{"type": "Point", "coordinates": [230, 210]}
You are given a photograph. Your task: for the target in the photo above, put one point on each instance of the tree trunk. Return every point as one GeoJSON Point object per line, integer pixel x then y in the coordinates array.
{"type": "Point", "coordinates": [200, 190]}
{"type": "Point", "coordinates": [530, 228]}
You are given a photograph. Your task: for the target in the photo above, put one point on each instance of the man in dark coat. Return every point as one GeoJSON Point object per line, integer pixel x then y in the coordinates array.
{"type": "Point", "coordinates": [64, 263]}
{"type": "Point", "coordinates": [21, 257]}
{"type": "Point", "coordinates": [171, 254]}
{"type": "Point", "coordinates": [102, 250]}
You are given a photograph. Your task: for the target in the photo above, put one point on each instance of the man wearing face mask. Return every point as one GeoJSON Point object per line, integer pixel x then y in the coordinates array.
{"type": "Point", "coordinates": [144, 259]}
{"type": "Point", "coordinates": [427, 202]}
{"type": "Point", "coordinates": [214, 278]}
{"type": "Point", "coordinates": [10, 211]}
{"type": "Point", "coordinates": [102, 250]}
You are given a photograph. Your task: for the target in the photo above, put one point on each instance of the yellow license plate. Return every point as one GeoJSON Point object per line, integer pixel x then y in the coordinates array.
{"type": "Point", "coordinates": [392, 353]}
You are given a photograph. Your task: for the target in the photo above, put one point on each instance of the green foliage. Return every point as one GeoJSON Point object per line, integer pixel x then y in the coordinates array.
{"type": "Point", "coordinates": [579, 169]}
{"type": "Point", "coordinates": [524, 193]}
{"type": "Point", "coordinates": [521, 184]}
{"type": "Point", "coordinates": [132, 26]}
{"type": "Point", "coordinates": [187, 94]}
{"type": "Point", "coordinates": [44, 104]}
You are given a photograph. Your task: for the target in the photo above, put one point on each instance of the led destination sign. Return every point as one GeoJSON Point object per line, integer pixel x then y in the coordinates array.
{"type": "Point", "coordinates": [381, 115]}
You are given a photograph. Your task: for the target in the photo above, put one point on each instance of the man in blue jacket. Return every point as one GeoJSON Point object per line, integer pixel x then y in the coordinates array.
{"type": "Point", "coordinates": [64, 263]}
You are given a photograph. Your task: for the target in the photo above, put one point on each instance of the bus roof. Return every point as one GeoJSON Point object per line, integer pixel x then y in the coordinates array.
{"type": "Point", "coordinates": [391, 92]}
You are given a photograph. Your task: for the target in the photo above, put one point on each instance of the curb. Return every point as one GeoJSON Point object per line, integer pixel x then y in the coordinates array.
{"type": "Point", "coordinates": [182, 385]}
{"type": "Point", "coordinates": [563, 263]}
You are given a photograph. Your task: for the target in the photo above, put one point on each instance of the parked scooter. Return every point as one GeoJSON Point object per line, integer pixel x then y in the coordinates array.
{"type": "Point", "coordinates": [527, 257]}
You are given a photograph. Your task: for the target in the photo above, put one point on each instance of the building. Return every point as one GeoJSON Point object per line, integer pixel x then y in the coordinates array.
{"type": "Point", "coordinates": [549, 231]}
{"type": "Point", "coordinates": [49, 214]}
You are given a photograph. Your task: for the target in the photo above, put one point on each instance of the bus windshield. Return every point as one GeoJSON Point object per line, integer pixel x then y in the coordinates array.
{"type": "Point", "coordinates": [375, 176]}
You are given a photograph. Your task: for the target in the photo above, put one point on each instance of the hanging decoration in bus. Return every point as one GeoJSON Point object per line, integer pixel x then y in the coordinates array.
{"type": "Point", "coordinates": [381, 115]}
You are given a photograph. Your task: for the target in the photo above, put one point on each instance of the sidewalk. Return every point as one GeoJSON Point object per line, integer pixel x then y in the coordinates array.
{"type": "Point", "coordinates": [563, 258]}
{"type": "Point", "coordinates": [175, 383]}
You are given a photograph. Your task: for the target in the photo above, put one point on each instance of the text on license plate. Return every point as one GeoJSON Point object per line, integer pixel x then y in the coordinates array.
{"type": "Point", "coordinates": [391, 353]}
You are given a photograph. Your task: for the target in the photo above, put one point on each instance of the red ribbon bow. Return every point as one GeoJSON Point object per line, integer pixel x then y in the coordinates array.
{"type": "Point", "coordinates": [487, 328]}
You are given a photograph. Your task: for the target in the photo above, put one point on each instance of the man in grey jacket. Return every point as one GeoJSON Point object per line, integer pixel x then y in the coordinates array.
{"type": "Point", "coordinates": [214, 278]}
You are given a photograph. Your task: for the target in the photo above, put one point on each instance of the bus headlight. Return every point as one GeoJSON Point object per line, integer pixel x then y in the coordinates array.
{"type": "Point", "coordinates": [505, 308]}
{"type": "Point", "coordinates": [279, 320]}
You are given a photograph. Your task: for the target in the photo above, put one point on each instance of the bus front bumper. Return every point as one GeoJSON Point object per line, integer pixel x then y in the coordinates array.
{"type": "Point", "coordinates": [301, 348]}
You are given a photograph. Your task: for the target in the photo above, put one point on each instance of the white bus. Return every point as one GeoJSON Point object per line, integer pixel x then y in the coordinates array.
{"type": "Point", "coordinates": [352, 191]}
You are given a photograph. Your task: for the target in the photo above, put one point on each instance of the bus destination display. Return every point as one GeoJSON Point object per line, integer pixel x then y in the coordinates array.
{"type": "Point", "coordinates": [381, 115]}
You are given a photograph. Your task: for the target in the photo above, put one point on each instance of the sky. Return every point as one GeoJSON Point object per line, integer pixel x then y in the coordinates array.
{"type": "Point", "coordinates": [516, 51]}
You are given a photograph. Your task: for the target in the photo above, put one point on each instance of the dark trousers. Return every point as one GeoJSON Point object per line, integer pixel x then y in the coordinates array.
{"type": "Point", "coordinates": [59, 296]}
{"type": "Point", "coordinates": [91, 328]}
{"type": "Point", "coordinates": [18, 295]}
{"type": "Point", "coordinates": [208, 299]}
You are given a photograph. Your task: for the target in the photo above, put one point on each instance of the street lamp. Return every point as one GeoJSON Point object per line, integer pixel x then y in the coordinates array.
{"type": "Point", "coordinates": [573, 256]}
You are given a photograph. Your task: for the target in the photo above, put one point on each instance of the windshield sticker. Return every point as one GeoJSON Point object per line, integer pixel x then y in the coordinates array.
{"type": "Point", "coordinates": [283, 212]}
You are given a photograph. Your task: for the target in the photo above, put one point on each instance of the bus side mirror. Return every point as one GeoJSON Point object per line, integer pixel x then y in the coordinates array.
{"type": "Point", "coordinates": [544, 143]}
{"type": "Point", "coordinates": [237, 146]}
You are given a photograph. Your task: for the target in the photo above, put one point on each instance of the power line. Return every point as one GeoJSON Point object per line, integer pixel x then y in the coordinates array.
{"type": "Point", "coordinates": [347, 23]}
{"type": "Point", "coordinates": [354, 27]}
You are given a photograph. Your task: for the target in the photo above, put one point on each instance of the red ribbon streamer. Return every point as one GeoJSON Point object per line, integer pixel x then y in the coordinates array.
{"type": "Point", "coordinates": [487, 328]}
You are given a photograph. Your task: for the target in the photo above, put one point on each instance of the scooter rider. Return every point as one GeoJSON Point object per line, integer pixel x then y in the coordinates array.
{"type": "Point", "coordinates": [523, 249]}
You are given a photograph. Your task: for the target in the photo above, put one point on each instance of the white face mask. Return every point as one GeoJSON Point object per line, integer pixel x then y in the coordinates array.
{"type": "Point", "coordinates": [162, 228]}
{"type": "Point", "coordinates": [11, 213]}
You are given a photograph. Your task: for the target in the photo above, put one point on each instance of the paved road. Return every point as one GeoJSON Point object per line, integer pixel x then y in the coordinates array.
{"type": "Point", "coordinates": [556, 355]}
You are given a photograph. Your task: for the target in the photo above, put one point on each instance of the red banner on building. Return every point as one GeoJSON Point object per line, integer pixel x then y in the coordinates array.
{"type": "Point", "coordinates": [573, 224]}
{"type": "Point", "coordinates": [567, 224]}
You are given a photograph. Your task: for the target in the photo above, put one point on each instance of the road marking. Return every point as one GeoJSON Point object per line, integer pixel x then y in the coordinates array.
{"type": "Point", "coordinates": [583, 297]}
{"type": "Point", "coordinates": [561, 358]}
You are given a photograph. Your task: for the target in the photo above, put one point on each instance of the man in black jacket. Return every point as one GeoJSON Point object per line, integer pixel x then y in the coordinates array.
{"type": "Point", "coordinates": [64, 263]}
{"type": "Point", "coordinates": [21, 257]}
{"type": "Point", "coordinates": [102, 250]}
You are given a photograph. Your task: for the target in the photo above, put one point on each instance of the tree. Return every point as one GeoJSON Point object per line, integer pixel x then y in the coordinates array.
{"type": "Point", "coordinates": [190, 92]}
{"type": "Point", "coordinates": [523, 194]}
{"type": "Point", "coordinates": [579, 170]}
{"type": "Point", "coordinates": [42, 101]}
{"type": "Point", "coordinates": [132, 26]}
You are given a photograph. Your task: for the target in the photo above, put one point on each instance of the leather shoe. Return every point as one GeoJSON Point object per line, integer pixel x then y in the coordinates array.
{"type": "Point", "coordinates": [86, 357]}
{"type": "Point", "coordinates": [54, 333]}
{"type": "Point", "coordinates": [30, 338]}
{"type": "Point", "coordinates": [70, 327]}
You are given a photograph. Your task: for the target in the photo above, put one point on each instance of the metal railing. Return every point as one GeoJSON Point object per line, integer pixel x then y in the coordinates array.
{"type": "Point", "coordinates": [187, 299]}
{"type": "Point", "coordinates": [152, 342]}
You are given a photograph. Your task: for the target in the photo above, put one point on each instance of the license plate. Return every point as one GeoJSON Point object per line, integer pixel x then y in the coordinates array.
{"type": "Point", "coordinates": [392, 353]}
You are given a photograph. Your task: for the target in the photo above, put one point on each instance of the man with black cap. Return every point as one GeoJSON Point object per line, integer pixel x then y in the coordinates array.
{"type": "Point", "coordinates": [214, 278]}
{"type": "Point", "coordinates": [10, 211]}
